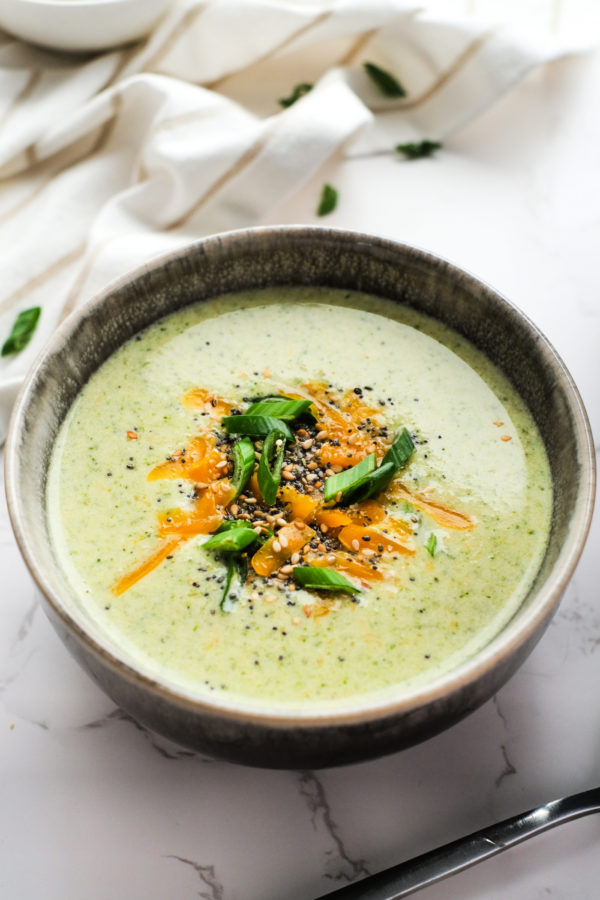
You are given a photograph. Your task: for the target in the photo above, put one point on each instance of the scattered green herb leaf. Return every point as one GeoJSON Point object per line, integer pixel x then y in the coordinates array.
{"type": "Point", "coordinates": [400, 451]}
{"type": "Point", "coordinates": [431, 544]}
{"type": "Point", "coordinates": [279, 408]}
{"type": "Point", "coordinates": [419, 150]}
{"type": "Point", "coordinates": [345, 482]}
{"type": "Point", "coordinates": [318, 579]}
{"type": "Point", "coordinates": [269, 478]}
{"type": "Point", "coordinates": [328, 201]}
{"type": "Point", "coordinates": [236, 565]}
{"type": "Point", "coordinates": [22, 331]}
{"type": "Point", "coordinates": [298, 91]}
{"type": "Point", "coordinates": [231, 540]}
{"type": "Point", "coordinates": [256, 426]}
{"type": "Point", "coordinates": [387, 83]}
{"type": "Point", "coordinates": [243, 464]}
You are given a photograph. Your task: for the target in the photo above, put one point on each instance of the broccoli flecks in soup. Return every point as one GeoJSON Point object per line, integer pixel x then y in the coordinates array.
{"type": "Point", "coordinates": [299, 495]}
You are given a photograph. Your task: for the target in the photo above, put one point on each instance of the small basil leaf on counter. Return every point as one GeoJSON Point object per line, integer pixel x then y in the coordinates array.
{"type": "Point", "coordinates": [419, 150]}
{"type": "Point", "coordinates": [298, 91]}
{"type": "Point", "coordinates": [317, 579]}
{"type": "Point", "coordinates": [279, 408]}
{"type": "Point", "coordinates": [349, 479]}
{"type": "Point", "coordinates": [328, 201]}
{"type": "Point", "coordinates": [387, 83]}
{"type": "Point", "coordinates": [243, 465]}
{"type": "Point", "coordinates": [256, 426]}
{"type": "Point", "coordinates": [269, 466]}
{"type": "Point", "coordinates": [22, 331]}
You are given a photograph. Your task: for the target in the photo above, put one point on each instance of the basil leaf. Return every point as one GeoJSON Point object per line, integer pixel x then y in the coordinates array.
{"type": "Point", "coordinates": [256, 426]}
{"type": "Point", "coordinates": [237, 565]}
{"type": "Point", "coordinates": [328, 201]}
{"type": "Point", "coordinates": [269, 478]}
{"type": "Point", "coordinates": [347, 481]}
{"type": "Point", "coordinates": [431, 544]}
{"type": "Point", "coordinates": [418, 150]}
{"type": "Point", "coordinates": [317, 579]}
{"type": "Point", "coordinates": [232, 540]}
{"type": "Point", "coordinates": [243, 465]}
{"type": "Point", "coordinates": [279, 408]}
{"type": "Point", "coordinates": [22, 330]}
{"type": "Point", "coordinates": [298, 91]}
{"type": "Point", "coordinates": [387, 83]}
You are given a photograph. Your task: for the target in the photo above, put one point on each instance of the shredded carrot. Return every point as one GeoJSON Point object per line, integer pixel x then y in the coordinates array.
{"type": "Point", "coordinates": [369, 512]}
{"type": "Point", "coordinates": [274, 553]}
{"type": "Point", "coordinates": [342, 562]}
{"type": "Point", "coordinates": [200, 398]}
{"type": "Point", "coordinates": [197, 461]}
{"type": "Point", "coordinates": [128, 580]}
{"type": "Point", "coordinates": [303, 506]}
{"type": "Point", "coordinates": [132, 435]}
{"type": "Point", "coordinates": [441, 514]}
{"type": "Point", "coordinates": [333, 518]}
{"type": "Point", "coordinates": [357, 537]}
{"type": "Point", "coordinates": [342, 426]}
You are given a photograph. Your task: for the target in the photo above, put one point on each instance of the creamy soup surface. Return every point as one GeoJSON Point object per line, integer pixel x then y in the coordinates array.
{"type": "Point", "coordinates": [459, 535]}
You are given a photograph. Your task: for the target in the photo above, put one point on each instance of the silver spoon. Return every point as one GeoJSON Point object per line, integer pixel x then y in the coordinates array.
{"type": "Point", "coordinates": [430, 867]}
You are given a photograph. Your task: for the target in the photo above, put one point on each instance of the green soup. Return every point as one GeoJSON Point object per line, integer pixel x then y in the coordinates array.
{"type": "Point", "coordinates": [115, 490]}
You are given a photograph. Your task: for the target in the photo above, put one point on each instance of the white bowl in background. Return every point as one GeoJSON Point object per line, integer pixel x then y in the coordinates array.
{"type": "Point", "coordinates": [81, 25]}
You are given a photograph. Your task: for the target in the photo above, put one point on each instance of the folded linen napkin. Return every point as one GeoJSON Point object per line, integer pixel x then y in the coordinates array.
{"type": "Point", "coordinates": [108, 161]}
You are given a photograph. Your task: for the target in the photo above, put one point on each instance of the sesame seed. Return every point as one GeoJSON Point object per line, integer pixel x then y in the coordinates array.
{"type": "Point", "coordinates": [222, 464]}
{"type": "Point", "coordinates": [296, 620]}
{"type": "Point", "coordinates": [234, 509]}
{"type": "Point", "coordinates": [283, 541]}
{"type": "Point", "coordinates": [300, 525]}
{"type": "Point", "coordinates": [295, 558]}
{"type": "Point", "coordinates": [322, 548]}
{"type": "Point", "coordinates": [289, 476]}
{"type": "Point", "coordinates": [367, 552]}
{"type": "Point", "coordinates": [338, 496]}
{"type": "Point", "coordinates": [286, 570]}
{"type": "Point", "coordinates": [307, 444]}
{"type": "Point", "coordinates": [276, 546]}
{"type": "Point", "coordinates": [312, 465]}
{"type": "Point", "coordinates": [324, 528]}
{"type": "Point", "coordinates": [356, 545]}
{"type": "Point", "coordinates": [321, 435]}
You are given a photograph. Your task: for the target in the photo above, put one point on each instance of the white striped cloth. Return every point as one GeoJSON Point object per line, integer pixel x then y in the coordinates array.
{"type": "Point", "coordinates": [107, 162]}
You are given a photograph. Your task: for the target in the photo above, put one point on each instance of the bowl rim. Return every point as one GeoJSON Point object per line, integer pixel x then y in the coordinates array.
{"type": "Point", "coordinates": [364, 708]}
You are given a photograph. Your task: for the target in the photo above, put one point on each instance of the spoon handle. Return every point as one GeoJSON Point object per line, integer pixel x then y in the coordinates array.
{"type": "Point", "coordinates": [427, 869]}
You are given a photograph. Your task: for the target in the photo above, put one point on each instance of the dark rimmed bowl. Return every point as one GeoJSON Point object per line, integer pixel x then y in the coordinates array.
{"type": "Point", "coordinates": [325, 735]}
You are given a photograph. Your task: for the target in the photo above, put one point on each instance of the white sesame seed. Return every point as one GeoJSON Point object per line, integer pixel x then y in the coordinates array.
{"type": "Point", "coordinates": [222, 464]}
{"type": "Point", "coordinates": [234, 509]}
{"type": "Point", "coordinates": [289, 476]}
{"type": "Point", "coordinates": [321, 435]}
{"type": "Point", "coordinates": [367, 552]}
{"type": "Point", "coordinates": [307, 444]}
{"type": "Point", "coordinates": [324, 528]}
{"type": "Point", "coordinates": [286, 569]}
{"type": "Point", "coordinates": [276, 546]}
{"type": "Point", "coordinates": [295, 558]}
{"type": "Point", "coordinates": [355, 545]}
{"type": "Point", "coordinates": [281, 521]}
{"type": "Point", "coordinates": [283, 540]}
{"type": "Point", "coordinates": [338, 496]}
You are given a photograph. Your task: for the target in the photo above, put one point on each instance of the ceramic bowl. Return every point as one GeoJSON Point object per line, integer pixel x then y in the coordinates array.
{"type": "Point", "coordinates": [81, 25]}
{"type": "Point", "coordinates": [328, 735]}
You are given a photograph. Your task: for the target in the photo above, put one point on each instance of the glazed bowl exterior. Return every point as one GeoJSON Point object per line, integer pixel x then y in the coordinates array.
{"type": "Point", "coordinates": [327, 734]}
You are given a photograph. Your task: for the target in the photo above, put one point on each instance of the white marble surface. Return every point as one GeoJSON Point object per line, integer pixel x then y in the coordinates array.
{"type": "Point", "coordinates": [93, 806]}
